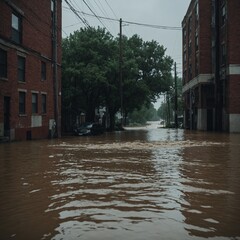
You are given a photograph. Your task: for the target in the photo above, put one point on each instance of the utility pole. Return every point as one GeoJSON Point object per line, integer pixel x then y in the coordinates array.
{"type": "Point", "coordinates": [120, 70]}
{"type": "Point", "coordinates": [55, 71]}
{"type": "Point", "coordinates": [176, 96]}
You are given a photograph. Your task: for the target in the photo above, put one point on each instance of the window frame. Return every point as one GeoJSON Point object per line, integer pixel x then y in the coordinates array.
{"type": "Point", "coordinates": [34, 103]}
{"type": "Point", "coordinates": [223, 14]}
{"type": "Point", "coordinates": [16, 30]}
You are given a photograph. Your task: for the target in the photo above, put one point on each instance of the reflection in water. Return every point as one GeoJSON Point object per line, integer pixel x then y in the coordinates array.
{"type": "Point", "coordinates": [142, 184]}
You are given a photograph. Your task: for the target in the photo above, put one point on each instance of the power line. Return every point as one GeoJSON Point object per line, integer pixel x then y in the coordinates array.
{"type": "Point", "coordinates": [154, 26]}
{"type": "Point", "coordinates": [103, 11]}
{"type": "Point", "coordinates": [94, 14]}
{"type": "Point", "coordinates": [76, 12]}
{"type": "Point", "coordinates": [133, 23]}
{"type": "Point", "coordinates": [111, 9]}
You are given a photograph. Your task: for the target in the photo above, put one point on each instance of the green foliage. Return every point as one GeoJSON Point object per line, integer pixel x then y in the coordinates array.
{"type": "Point", "coordinates": [167, 108]}
{"type": "Point", "coordinates": [144, 114]}
{"type": "Point", "coordinates": [90, 73]}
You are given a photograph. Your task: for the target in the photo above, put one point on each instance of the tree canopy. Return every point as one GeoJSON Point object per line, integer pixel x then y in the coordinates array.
{"type": "Point", "coordinates": [90, 73]}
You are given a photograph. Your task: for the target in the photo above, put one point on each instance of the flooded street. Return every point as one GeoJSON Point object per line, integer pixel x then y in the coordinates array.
{"type": "Point", "coordinates": [138, 184]}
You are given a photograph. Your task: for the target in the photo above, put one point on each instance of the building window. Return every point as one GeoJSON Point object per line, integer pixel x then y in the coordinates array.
{"type": "Point", "coordinates": [44, 103]}
{"type": "Point", "coordinates": [3, 63]}
{"type": "Point", "coordinates": [189, 26]}
{"type": "Point", "coordinates": [16, 28]}
{"type": "Point", "coordinates": [196, 42]}
{"type": "Point", "coordinates": [223, 14]}
{"type": "Point", "coordinates": [34, 102]}
{"type": "Point", "coordinates": [52, 5]}
{"type": "Point", "coordinates": [190, 48]}
{"type": "Point", "coordinates": [184, 36]}
{"type": "Point", "coordinates": [196, 14]}
{"type": "Point", "coordinates": [22, 103]}
{"type": "Point", "coordinates": [196, 65]}
{"type": "Point", "coordinates": [43, 71]}
{"type": "Point", "coordinates": [21, 69]}
{"type": "Point", "coordinates": [184, 57]}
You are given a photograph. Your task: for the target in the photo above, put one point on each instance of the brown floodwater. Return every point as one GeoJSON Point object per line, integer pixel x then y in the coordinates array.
{"type": "Point", "coordinates": [138, 184]}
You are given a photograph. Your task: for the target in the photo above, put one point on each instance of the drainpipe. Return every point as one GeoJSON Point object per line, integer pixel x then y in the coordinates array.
{"type": "Point", "coordinates": [55, 71]}
{"type": "Point", "coordinates": [217, 93]}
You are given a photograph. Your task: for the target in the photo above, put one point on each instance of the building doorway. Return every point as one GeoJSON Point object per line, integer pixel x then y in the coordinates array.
{"type": "Point", "coordinates": [7, 116]}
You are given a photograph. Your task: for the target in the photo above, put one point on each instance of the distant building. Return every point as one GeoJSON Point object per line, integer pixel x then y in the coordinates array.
{"type": "Point", "coordinates": [211, 65]}
{"type": "Point", "coordinates": [30, 60]}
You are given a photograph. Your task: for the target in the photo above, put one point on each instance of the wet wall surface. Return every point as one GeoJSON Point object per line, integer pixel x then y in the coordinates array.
{"type": "Point", "coordinates": [138, 184]}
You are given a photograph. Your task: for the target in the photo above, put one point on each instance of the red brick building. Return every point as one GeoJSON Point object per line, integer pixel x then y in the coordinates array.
{"type": "Point", "coordinates": [30, 61]}
{"type": "Point", "coordinates": [211, 65]}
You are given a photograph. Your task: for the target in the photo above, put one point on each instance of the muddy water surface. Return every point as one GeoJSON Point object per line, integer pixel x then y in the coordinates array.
{"type": "Point", "coordinates": [138, 184]}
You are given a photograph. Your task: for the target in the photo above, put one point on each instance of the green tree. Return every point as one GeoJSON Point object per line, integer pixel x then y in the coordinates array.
{"type": "Point", "coordinates": [167, 108]}
{"type": "Point", "coordinates": [146, 113]}
{"type": "Point", "coordinates": [87, 62]}
{"type": "Point", "coordinates": [147, 72]}
{"type": "Point", "coordinates": [90, 73]}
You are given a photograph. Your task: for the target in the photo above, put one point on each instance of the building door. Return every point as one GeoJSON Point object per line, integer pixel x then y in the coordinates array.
{"type": "Point", "coordinates": [6, 116]}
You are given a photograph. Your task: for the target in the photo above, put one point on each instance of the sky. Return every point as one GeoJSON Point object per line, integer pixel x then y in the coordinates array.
{"type": "Point", "coordinates": [153, 12]}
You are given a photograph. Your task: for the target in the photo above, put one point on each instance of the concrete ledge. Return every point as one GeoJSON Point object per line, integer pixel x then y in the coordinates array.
{"type": "Point", "coordinates": [233, 69]}
{"type": "Point", "coordinates": [234, 123]}
{"type": "Point", "coordinates": [202, 78]}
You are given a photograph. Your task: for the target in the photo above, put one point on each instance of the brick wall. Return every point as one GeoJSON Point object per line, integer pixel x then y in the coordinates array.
{"type": "Point", "coordinates": [233, 32]}
{"type": "Point", "coordinates": [36, 47]}
{"type": "Point", "coordinates": [205, 35]}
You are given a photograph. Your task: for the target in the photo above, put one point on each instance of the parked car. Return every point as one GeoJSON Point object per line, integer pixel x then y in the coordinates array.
{"type": "Point", "coordinates": [89, 128]}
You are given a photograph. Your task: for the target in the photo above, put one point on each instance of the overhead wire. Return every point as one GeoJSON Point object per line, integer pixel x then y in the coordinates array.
{"type": "Point", "coordinates": [94, 14]}
{"type": "Point", "coordinates": [161, 27]}
{"type": "Point", "coordinates": [78, 8]}
{"type": "Point", "coordinates": [76, 12]}
{"type": "Point", "coordinates": [111, 8]}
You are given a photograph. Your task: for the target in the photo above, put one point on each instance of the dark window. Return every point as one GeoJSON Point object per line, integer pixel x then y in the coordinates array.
{"type": "Point", "coordinates": [34, 102]}
{"type": "Point", "coordinates": [43, 71]}
{"type": "Point", "coordinates": [184, 57]}
{"type": "Point", "coordinates": [3, 63]}
{"type": "Point", "coordinates": [21, 69]}
{"type": "Point", "coordinates": [223, 14]}
{"type": "Point", "coordinates": [196, 65]}
{"type": "Point", "coordinates": [52, 5]}
{"type": "Point", "coordinates": [16, 28]}
{"type": "Point", "coordinates": [44, 103]}
{"type": "Point", "coordinates": [196, 14]}
{"type": "Point", "coordinates": [190, 48]}
{"type": "Point", "coordinates": [196, 42]}
{"type": "Point", "coordinates": [184, 36]}
{"type": "Point", "coordinates": [189, 26]}
{"type": "Point", "coordinates": [22, 103]}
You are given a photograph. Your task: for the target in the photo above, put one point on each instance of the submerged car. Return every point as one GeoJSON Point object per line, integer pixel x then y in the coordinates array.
{"type": "Point", "coordinates": [89, 128]}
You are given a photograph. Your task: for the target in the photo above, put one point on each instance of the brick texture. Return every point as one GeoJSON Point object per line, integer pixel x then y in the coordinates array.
{"type": "Point", "coordinates": [36, 46]}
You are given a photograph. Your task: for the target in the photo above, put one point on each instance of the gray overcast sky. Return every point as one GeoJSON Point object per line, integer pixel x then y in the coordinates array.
{"type": "Point", "coordinates": [156, 12]}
